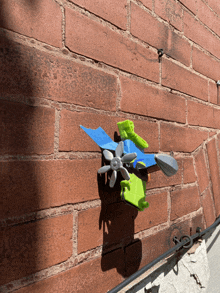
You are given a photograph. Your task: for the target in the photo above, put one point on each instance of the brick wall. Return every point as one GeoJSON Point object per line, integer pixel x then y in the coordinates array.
{"type": "Point", "coordinates": [65, 63]}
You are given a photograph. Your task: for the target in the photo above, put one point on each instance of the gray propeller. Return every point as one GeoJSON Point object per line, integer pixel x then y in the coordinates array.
{"type": "Point", "coordinates": [116, 163]}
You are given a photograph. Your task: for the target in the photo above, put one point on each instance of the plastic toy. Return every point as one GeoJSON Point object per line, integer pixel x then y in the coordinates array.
{"type": "Point", "coordinates": [116, 163]}
{"type": "Point", "coordinates": [133, 192]}
{"type": "Point", "coordinates": [135, 166]}
{"type": "Point", "coordinates": [126, 130]}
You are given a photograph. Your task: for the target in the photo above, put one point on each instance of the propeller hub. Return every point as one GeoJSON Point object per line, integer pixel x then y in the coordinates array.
{"type": "Point", "coordinates": [116, 163]}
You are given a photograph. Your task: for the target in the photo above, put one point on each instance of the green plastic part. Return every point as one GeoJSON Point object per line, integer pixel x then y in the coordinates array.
{"type": "Point", "coordinates": [126, 130]}
{"type": "Point", "coordinates": [133, 191]}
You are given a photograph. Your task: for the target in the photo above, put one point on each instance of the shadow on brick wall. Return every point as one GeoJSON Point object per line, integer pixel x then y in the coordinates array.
{"type": "Point", "coordinates": [117, 222]}
{"type": "Point", "coordinates": [18, 186]}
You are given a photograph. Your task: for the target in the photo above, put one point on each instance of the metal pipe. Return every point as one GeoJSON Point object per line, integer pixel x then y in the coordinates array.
{"type": "Point", "coordinates": [164, 255]}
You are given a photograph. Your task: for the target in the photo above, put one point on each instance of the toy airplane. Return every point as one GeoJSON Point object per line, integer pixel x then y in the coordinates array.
{"type": "Point", "coordinates": [134, 165]}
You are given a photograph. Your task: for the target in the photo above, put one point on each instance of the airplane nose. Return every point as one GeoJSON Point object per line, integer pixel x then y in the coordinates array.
{"type": "Point", "coordinates": [167, 164]}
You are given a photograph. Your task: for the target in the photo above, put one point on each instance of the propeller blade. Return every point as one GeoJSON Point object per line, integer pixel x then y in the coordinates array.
{"type": "Point", "coordinates": [113, 179]}
{"type": "Point", "coordinates": [104, 169]}
{"type": "Point", "coordinates": [108, 155]}
{"type": "Point", "coordinates": [120, 149]}
{"type": "Point", "coordinates": [124, 173]}
{"type": "Point", "coordinates": [128, 157]}
{"type": "Point", "coordinates": [167, 164]}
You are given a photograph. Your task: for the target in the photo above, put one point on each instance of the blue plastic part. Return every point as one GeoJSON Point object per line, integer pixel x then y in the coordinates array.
{"type": "Point", "coordinates": [147, 159]}
{"type": "Point", "coordinates": [101, 138]}
{"type": "Point", "coordinates": [104, 141]}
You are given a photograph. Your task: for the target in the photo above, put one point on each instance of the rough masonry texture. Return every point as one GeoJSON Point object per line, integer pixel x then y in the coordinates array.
{"type": "Point", "coordinates": [66, 63]}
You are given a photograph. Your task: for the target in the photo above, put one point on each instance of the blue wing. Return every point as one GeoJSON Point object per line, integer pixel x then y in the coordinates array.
{"type": "Point", "coordinates": [101, 138]}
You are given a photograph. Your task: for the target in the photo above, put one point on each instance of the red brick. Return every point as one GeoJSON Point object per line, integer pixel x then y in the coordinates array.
{"type": "Point", "coordinates": [149, 29]}
{"type": "Point", "coordinates": [99, 42]}
{"type": "Point", "coordinates": [183, 80]}
{"type": "Point", "coordinates": [201, 170]}
{"type": "Point", "coordinates": [152, 247]}
{"type": "Point", "coordinates": [208, 17]}
{"type": "Point", "coordinates": [184, 201]}
{"type": "Point", "coordinates": [214, 172]}
{"type": "Point", "coordinates": [208, 208]}
{"type": "Point", "coordinates": [28, 186]}
{"type": "Point", "coordinates": [147, 3]}
{"type": "Point", "coordinates": [113, 11]}
{"type": "Point", "coordinates": [180, 139]}
{"type": "Point", "coordinates": [200, 35]}
{"type": "Point", "coordinates": [213, 92]}
{"type": "Point", "coordinates": [191, 5]}
{"type": "Point", "coordinates": [171, 11]}
{"type": "Point", "coordinates": [158, 179]}
{"type": "Point", "coordinates": [155, 245]}
{"type": "Point", "coordinates": [29, 248]}
{"type": "Point", "coordinates": [202, 115]}
{"type": "Point", "coordinates": [143, 99]}
{"type": "Point", "coordinates": [31, 73]}
{"type": "Point", "coordinates": [215, 5]}
{"type": "Point", "coordinates": [189, 175]}
{"type": "Point", "coordinates": [41, 20]}
{"type": "Point", "coordinates": [117, 224]}
{"type": "Point", "coordinates": [25, 129]}
{"type": "Point", "coordinates": [155, 214]}
{"type": "Point", "coordinates": [89, 233]}
{"type": "Point", "coordinates": [70, 129]}
{"type": "Point", "coordinates": [205, 64]}
{"type": "Point", "coordinates": [197, 221]}
{"type": "Point", "coordinates": [85, 277]}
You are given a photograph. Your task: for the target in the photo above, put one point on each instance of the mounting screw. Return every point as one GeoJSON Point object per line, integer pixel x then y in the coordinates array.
{"type": "Point", "coordinates": [218, 82]}
{"type": "Point", "coordinates": [160, 52]}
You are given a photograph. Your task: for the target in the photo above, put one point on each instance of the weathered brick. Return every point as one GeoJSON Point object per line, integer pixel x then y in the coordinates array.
{"type": "Point", "coordinates": [202, 115]}
{"type": "Point", "coordinates": [170, 11]}
{"type": "Point", "coordinates": [84, 277]}
{"type": "Point", "coordinates": [201, 170]}
{"type": "Point", "coordinates": [208, 208]}
{"type": "Point", "coordinates": [180, 139]}
{"type": "Point", "coordinates": [31, 73]}
{"type": "Point", "coordinates": [158, 179]}
{"type": "Point", "coordinates": [31, 247]}
{"type": "Point", "coordinates": [152, 247]}
{"type": "Point", "coordinates": [184, 201]}
{"type": "Point", "coordinates": [155, 245]}
{"type": "Point", "coordinates": [205, 64]}
{"type": "Point", "coordinates": [215, 5]}
{"type": "Point", "coordinates": [155, 214]}
{"type": "Point", "coordinates": [181, 79]}
{"type": "Point", "coordinates": [117, 223]}
{"type": "Point", "coordinates": [41, 20]}
{"type": "Point", "coordinates": [90, 234]}
{"type": "Point", "coordinates": [200, 35]}
{"type": "Point", "coordinates": [214, 172]}
{"type": "Point", "coordinates": [213, 92]}
{"type": "Point", "coordinates": [113, 11]}
{"type": "Point", "coordinates": [70, 129]}
{"type": "Point", "coordinates": [143, 99]}
{"type": "Point", "coordinates": [191, 5]}
{"type": "Point", "coordinates": [25, 129]}
{"type": "Point", "coordinates": [208, 17]}
{"type": "Point", "coordinates": [149, 29]}
{"type": "Point", "coordinates": [99, 42]}
{"type": "Point", "coordinates": [189, 175]}
{"type": "Point", "coordinates": [28, 186]}
{"type": "Point", "coordinates": [197, 221]}
{"type": "Point", "coordinates": [147, 3]}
